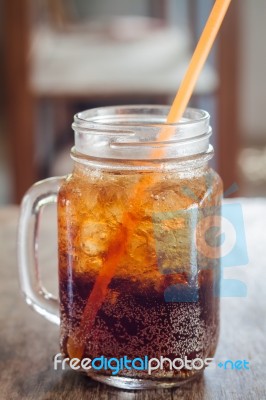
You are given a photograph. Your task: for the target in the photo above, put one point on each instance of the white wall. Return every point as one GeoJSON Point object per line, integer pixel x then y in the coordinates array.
{"type": "Point", "coordinates": [252, 95]}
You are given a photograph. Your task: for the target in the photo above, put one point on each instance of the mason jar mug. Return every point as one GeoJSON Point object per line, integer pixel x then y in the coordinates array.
{"type": "Point", "coordinates": [138, 219]}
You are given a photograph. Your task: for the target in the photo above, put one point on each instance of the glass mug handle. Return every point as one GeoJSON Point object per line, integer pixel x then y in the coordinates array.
{"type": "Point", "coordinates": [37, 197]}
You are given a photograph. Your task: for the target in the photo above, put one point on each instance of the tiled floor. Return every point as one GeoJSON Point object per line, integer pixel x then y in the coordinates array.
{"type": "Point", "coordinates": [252, 168]}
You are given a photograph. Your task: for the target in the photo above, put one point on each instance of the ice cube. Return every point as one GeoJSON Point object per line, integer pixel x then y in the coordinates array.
{"type": "Point", "coordinates": [95, 237]}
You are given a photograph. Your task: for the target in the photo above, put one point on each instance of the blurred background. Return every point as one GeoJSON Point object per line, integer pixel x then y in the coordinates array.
{"type": "Point", "coordinates": [58, 57]}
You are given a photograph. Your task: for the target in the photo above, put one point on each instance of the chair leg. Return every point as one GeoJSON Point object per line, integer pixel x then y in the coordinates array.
{"type": "Point", "coordinates": [19, 99]}
{"type": "Point", "coordinates": [228, 110]}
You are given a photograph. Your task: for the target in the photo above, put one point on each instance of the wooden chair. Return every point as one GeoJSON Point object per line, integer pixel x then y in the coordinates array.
{"type": "Point", "coordinates": [22, 102]}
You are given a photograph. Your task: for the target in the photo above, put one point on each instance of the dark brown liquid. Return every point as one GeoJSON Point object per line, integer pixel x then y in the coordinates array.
{"type": "Point", "coordinates": [137, 323]}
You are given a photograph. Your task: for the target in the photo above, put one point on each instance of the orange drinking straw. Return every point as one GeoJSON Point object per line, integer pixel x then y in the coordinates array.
{"type": "Point", "coordinates": [118, 244]}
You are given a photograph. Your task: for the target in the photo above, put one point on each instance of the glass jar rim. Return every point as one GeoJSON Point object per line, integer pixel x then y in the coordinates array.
{"type": "Point", "coordinates": [133, 132]}
{"type": "Point", "coordinates": [94, 118]}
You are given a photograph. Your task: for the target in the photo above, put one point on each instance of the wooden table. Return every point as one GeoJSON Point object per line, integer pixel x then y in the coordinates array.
{"type": "Point", "coordinates": [28, 342]}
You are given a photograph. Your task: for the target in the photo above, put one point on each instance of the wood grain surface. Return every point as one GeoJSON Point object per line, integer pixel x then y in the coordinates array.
{"type": "Point", "coordinates": [28, 342]}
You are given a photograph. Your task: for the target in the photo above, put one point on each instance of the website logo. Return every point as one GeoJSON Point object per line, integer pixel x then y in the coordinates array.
{"type": "Point", "coordinates": [115, 365]}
